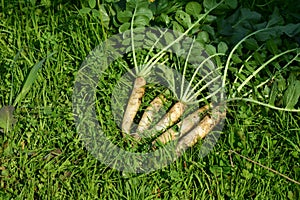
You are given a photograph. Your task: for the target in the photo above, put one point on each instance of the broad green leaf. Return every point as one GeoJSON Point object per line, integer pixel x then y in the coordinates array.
{"type": "Point", "coordinates": [7, 119]}
{"type": "Point", "coordinates": [210, 49]}
{"type": "Point", "coordinates": [231, 3]}
{"type": "Point", "coordinates": [223, 8]}
{"type": "Point", "coordinates": [164, 18]}
{"type": "Point", "coordinates": [139, 37]}
{"type": "Point", "coordinates": [239, 24]}
{"type": "Point", "coordinates": [141, 20]}
{"type": "Point", "coordinates": [183, 18]}
{"type": "Point", "coordinates": [142, 16]}
{"type": "Point", "coordinates": [96, 13]}
{"type": "Point", "coordinates": [196, 29]}
{"type": "Point", "coordinates": [210, 30]}
{"type": "Point", "coordinates": [291, 95]}
{"type": "Point", "coordinates": [84, 11]}
{"type": "Point", "coordinates": [30, 80]}
{"type": "Point", "coordinates": [222, 47]}
{"type": "Point", "coordinates": [132, 4]}
{"type": "Point", "coordinates": [177, 27]}
{"type": "Point", "coordinates": [169, 37]}
{"type": "Point", "coordinates": [144, 12]}
{"type": "Point", "coordinates": [193, 8]}
{"type": "Point", "coordinates": [291, 195]}
{"type": "Point", "coordinates": [248, 16]}
{"type": "Point", "coordinates": [251, 44]}
{"type": "Point", "coordinates": [148, 42]}
{"type": "Point", "coordinates": [291, 30]}
{"type": "Point", "coordinates": [210, 18]}
{"type": "Point", "coordinates": [92, 3]}
{"type": "Point", "coordinates": [152, 36]}
{"type": "Point", "coordinates": [203, 37]}
{"type": "Point", "coordinates": [275, 18]}
{"type": "Point", "coordinates": [124, 16]}
{"type": "Point", "coordinates": [128, 49]}
{"type": "Point", "coordinates": [139, 30]}
{"type": "Point", "coordinates": [138, 44]}
{"type": "Point", "coordinates": [209, 4]}
{"type": "Point", "coordinates": [124, 27]}
{"type": "Point", "coordinates": [126, 42]}
{"type": "Point", "coordinates": [295, 68]}
{"type": "Point", "coordinates": [267, 35]}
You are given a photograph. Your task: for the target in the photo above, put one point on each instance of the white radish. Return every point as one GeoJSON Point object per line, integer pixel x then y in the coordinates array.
{"type": "Point", "coordinates": [134, 103]}
{"type": "Point", "coordinates": [170, 117]}
{"type": "Point", "coordinates": [150, 112]}
{"type": "Point", "coordinates": [200, 131]}
{"type": "Point", "coordinates": [183, 126]}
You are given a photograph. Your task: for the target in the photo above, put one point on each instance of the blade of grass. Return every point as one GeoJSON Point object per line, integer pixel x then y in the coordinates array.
{"type": "Point", "coordinates": [30, 80]}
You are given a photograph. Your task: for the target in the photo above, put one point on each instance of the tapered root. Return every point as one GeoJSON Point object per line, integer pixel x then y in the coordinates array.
{"type": "Point", "coordinates": [183, 126]}
{"type": "Point", "coordinates": [200, 131]}
{"type": "Point", "coordinates": [150, 112]}
{"type": "Point", "coordinates": [134, 103]}
{"type": "Point", "coordinates": [171, 117]}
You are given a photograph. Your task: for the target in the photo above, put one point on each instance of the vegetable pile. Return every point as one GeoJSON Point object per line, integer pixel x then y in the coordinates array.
{"type": "Point", "coordinates": [193, 103]}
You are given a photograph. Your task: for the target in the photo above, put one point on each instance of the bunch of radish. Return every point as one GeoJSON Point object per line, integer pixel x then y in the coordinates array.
{"type": "Point", "coordinates": [179, 122]}
{"type": "Point", "coordinates": [190, 128]}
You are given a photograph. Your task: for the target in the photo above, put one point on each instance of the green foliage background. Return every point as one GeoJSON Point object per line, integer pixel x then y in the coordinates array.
{"type": "Point", "coordinates": [42, 157]}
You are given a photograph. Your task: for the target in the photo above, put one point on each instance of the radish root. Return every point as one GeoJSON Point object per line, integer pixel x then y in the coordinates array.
{"type": "Point", "coordinates": [184, 126]}
{"type": "Point", "coordinates": [134, 103]}
{"type": "Point", "coordinates": [149, 113]}
{"type": "Point", "coordinates": [200, 131]}
{"type": "Point", "coordinates": [171, 117]}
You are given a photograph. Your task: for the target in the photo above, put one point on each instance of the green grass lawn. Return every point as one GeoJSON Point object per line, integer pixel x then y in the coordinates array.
{"type": "Point", "coordinates": [42, 157]}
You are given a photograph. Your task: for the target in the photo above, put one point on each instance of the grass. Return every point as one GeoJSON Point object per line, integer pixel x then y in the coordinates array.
{"type": "Point", "coordinates": [43, 157]}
